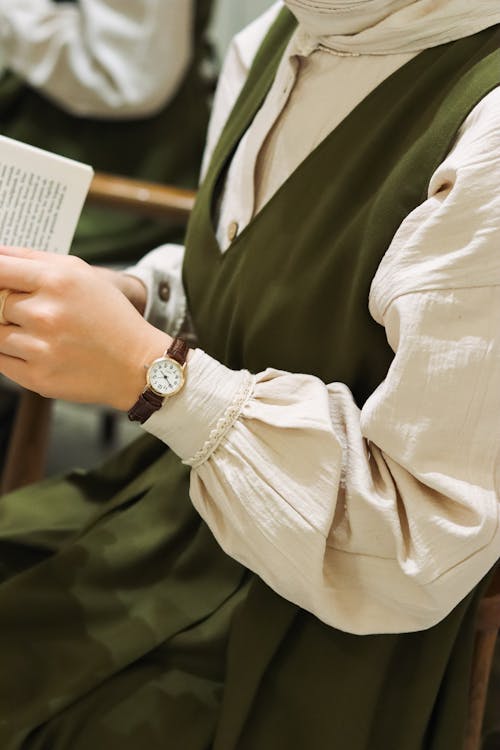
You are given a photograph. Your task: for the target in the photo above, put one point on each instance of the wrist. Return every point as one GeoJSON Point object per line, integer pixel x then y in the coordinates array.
{"type": "Point", "coordinates": [151, 347]}
{"type": "Point", "coordinates": [165, 377]}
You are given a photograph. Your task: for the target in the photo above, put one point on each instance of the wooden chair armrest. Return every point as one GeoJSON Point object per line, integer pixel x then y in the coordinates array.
{"type": "Point", "coordinates": [484, 649]}
{"type": "Point", "coordinates": [144, 198]}
{"type": "Point", "coordinates": [494, 587]}
{"type": "Point", "coordinates": [488, 616]}
{"type": "Point", "coordinates": [487, 628]}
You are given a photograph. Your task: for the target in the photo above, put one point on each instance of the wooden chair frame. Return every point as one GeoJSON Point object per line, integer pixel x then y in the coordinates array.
{"type": "Point", "coordinates": [26, 456]}
{"type": "Point", "coordinates": [487, 629]}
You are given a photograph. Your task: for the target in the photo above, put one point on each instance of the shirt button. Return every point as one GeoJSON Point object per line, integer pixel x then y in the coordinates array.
{"type": "Point", "coordinates": [232, 230]}
{"type": "Point", "coordinates": [164, 291]}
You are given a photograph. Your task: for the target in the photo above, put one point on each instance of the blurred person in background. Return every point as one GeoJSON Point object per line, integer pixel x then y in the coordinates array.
{"type": "Point", "coordinates": [119, 84]}
{"type": "Point", "coordinates": [293, 555]}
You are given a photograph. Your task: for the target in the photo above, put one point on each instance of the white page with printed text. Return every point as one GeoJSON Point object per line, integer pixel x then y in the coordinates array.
{"type": "Point", "coordinates": [41, 197]}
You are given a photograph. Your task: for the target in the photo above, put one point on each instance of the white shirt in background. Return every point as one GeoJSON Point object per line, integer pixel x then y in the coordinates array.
{"type": "Point", "coordinates": [99, 58]}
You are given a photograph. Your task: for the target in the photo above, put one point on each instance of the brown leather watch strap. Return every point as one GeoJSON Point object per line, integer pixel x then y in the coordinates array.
{"type": "Point", "coordinates": [178, 350]}
{"type": "Point", "coordinates": [149, 401]}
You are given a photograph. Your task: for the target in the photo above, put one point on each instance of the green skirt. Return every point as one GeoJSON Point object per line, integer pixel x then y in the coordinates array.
{"type": "Point", "coordinates": [124, 625]}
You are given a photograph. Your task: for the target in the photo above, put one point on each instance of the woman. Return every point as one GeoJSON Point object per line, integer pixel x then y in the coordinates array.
{"type": "Point", "coordinates": [327, 598]}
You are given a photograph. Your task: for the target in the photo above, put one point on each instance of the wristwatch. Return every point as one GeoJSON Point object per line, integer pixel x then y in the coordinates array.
{"type": "Point", "coordinates": [164, 378]}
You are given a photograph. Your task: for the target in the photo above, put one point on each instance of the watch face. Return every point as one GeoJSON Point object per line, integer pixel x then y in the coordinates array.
{"type": "Point", "coordinates": [166, 376]}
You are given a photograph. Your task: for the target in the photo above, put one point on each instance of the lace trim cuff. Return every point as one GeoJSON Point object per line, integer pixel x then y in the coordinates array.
{"type": "Point", "coordinates": [224, 424]}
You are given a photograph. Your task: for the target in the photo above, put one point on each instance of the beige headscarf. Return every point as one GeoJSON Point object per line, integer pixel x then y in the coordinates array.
{"type": "Point", "coordinates": [381, 27]}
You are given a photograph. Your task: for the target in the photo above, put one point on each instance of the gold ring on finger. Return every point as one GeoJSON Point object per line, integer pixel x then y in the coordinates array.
{"type": "Point", "coordinates": [4, 293]}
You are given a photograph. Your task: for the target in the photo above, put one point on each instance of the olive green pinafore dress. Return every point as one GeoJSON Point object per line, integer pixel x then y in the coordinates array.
{"type": "Point", "coordinates": [122, 623]}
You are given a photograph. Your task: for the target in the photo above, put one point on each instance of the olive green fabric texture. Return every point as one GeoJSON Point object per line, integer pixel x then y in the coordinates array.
{"type": "Point", "coordinates": [166, 148]}
{"type": "Point", "coordinates": [122, 623]}
{"type": "Point", "coordinates": [114, 610]}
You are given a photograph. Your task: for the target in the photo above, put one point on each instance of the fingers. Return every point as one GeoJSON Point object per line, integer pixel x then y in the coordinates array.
{"type": "Point", "coordinates": [27, 360]}
{"type": "Point", "coordinates": [26, 270]}
{"type": "Point", "coordinates": [14, 342]}
{"type": "Point", "coordinates": [16, 309]}
{"type": "Point", "coordinates": [15, 369]}
{"type": "Point", "coordinates": [20, 274]}
{"type": "Point", "coordinates": [28, 253]}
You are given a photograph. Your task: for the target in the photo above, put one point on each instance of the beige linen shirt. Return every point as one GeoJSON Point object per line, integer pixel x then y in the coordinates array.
{"type": "Point", "coordinates": [380, 519]}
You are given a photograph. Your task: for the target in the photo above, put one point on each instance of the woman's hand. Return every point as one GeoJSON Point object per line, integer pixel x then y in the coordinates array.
{"type": "Point", "coordinates": [133, 289]}
{"type": "Point", "coordinates": [72, 332]}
